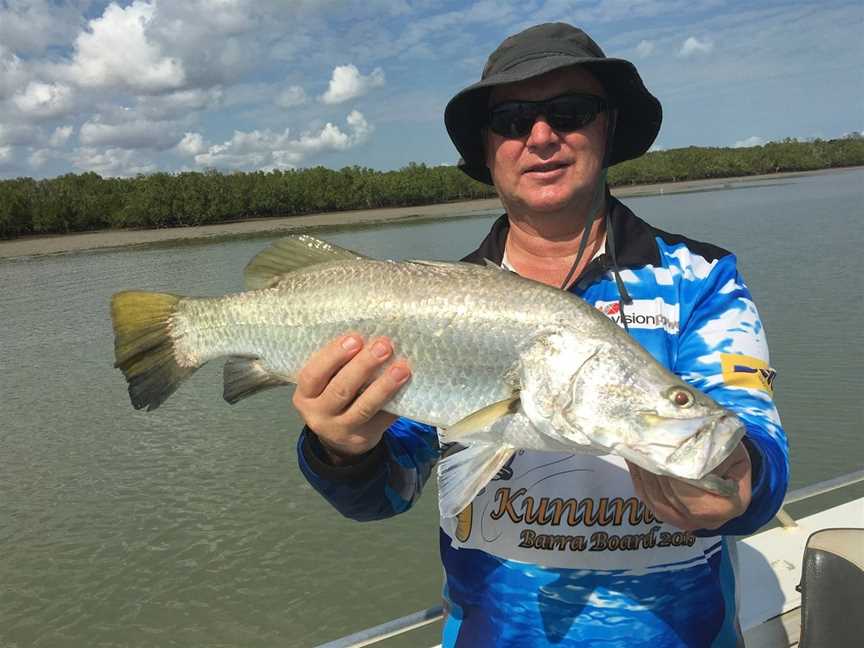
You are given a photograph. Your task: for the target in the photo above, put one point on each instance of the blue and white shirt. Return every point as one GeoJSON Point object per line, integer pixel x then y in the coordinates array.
{"type": "Point", "coordinates": [557, 550]}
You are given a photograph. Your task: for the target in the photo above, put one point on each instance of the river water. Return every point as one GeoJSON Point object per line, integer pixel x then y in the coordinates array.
{"type": "Point", "coordinates": [191, 525]}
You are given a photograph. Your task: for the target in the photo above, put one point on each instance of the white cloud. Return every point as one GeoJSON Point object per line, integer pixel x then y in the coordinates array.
{"type": "Point", "coordinates": [362, 129]}
{"type": "Point", "coordinates": [60, 136]}
{"type": "Point", "coordinates": [192, 144]}
{"type": "Point", "coordinates": [12, 73]}
{"type": "Point", "coordinates": [290, 97]}
{"type": "Point", "coordinates": [30, 26]}
{"type": "Point", "coordinates": [111, 162]}
{"type": "Point", "coordinates": [178, 104]}
{"type": "Point", "coordinates": [693, 46]}
{"type": "Point", "coordinates": [347, 83]}
{"type": "Point", "coordinates": [5, 154]}
{"type": "Point", "coordinates": [115, 51]}
{"type": "Point", "coordinates": [645, 49]}
{"type": "Point", "coordinates": [656, 146]}
{"type": "Point", "coordinates": [18, 134]}
{"type": "Point", "coordinates": [133, 134]}
{"type": "Point", "coordinates": [44, 100]}
{"type": "Point", "coordinates": [267, 150]}
{"type": "Point", "coordinates": [40, 157]}
{"type": "Point", "coordinates": [754, 140]}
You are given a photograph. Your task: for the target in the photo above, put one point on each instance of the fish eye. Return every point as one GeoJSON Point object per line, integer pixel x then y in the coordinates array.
{"type": "Point", "coordinates": [681, 397]}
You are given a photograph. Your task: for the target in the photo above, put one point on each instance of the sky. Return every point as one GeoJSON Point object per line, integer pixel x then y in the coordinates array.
{"type": "Point", "coordinates": [122, 88]}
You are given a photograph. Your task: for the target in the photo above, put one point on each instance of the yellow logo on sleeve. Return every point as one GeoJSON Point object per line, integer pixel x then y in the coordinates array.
{"type": "Point", "coordinates": [747, 371]}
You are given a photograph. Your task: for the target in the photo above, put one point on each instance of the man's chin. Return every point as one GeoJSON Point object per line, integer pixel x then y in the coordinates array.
{"type": "Point", "coordinates": [554, 202]}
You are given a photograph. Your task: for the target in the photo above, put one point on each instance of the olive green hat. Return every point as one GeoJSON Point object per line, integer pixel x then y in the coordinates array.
{"type": "Point", "coordinates": [538, 50]}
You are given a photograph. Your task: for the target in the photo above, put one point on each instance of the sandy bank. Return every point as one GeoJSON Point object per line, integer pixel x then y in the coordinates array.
{"type": "Point", "coordinates": [41, 245]}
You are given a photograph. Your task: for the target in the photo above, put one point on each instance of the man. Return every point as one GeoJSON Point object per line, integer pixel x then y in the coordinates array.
{"type": "Point", "coordinates": [570, 549]}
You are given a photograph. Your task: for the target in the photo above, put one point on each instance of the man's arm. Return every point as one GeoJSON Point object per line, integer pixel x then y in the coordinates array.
{"type": "Point", "coordinates": [723, 351]}
{"type": "Point", "coordinates": [362, 460]}
{"type": "Point", "coordinates": [385, 481]}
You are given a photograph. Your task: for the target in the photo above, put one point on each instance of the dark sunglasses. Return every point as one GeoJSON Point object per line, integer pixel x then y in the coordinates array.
{"type": "Point", "coordinates": [565, 113]}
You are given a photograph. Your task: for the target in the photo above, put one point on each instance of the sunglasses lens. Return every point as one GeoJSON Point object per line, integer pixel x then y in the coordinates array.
{"type": "Point", "coordinates": [512, 120]}
{"type": "Point", "coordinates": [566, 114]}
{"type": "Point", "coordinates": [571, 113]}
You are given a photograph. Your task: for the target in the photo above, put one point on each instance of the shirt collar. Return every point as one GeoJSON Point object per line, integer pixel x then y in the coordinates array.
{"type": "Point", "coordinates": [636, 244]}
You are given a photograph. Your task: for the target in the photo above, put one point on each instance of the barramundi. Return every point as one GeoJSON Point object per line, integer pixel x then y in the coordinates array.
{"type": "Point", "coordinates": [498, 362]}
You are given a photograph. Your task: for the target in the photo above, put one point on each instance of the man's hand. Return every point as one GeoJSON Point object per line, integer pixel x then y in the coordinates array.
{"type": "Point", "coordinates": [340, 397]}
{"type": "Point", "coordinates": [690, 508]}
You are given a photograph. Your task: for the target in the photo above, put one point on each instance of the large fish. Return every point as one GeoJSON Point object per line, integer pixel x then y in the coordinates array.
{"type": "Point", "coordinates": [498, 362]}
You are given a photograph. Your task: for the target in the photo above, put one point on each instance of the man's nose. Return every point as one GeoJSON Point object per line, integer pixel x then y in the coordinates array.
{"type": "Point", "coordinates": [541, 134]}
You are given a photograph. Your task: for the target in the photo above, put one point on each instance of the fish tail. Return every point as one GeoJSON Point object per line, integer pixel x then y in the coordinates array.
{"type": "Point", "coordinates": [144, 347]}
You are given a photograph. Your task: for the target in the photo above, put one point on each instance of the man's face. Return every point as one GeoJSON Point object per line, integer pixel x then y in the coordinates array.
{"type": "Point", "coordinates": [547, 171]}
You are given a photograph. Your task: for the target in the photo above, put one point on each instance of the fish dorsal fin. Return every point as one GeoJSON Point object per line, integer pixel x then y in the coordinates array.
{"type": "Point", "coordinates": [289, 254]}
{"type": "Point", "coordinates": [480, 420]}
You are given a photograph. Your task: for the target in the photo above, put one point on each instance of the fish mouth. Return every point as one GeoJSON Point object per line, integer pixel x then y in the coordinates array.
{"type": "Point", "coordinates": [714, 440]}
{"type": "Point", "coordinates": [707, 441]}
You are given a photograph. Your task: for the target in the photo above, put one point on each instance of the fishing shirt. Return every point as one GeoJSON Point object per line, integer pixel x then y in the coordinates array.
{"type": "Point", "coordinates": [557, 550]}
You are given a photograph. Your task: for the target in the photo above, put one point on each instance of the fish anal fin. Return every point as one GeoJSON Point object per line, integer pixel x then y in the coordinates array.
{"type": "Point", "coordinates": [247, 376]}
{"type": "Point", "coordinates": [463, 474]}
{"type": "Point", "coordinates": [480, 419]}
{"type": "Point", "coordinates": [289, 254]}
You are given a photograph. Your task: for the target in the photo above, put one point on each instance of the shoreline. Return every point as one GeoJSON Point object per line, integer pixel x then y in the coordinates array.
{"type": "Point", "coordinates": [34, 246]}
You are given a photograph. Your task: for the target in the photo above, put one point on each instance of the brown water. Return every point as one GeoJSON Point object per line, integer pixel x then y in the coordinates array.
{"type": "Point", "coordinates": [192, 525]}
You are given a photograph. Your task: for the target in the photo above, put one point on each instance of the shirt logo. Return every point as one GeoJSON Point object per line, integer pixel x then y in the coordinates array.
{"type": "Point", "coordinates": [642, 313]}
{"type": "Point", "coordinates": [611, 309]}
{"type": "Point", "coordinates": [747, 372]}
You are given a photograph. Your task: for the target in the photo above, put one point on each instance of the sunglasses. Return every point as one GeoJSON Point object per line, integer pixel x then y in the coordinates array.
{"type": "Point", "coordinates": [565, 113]}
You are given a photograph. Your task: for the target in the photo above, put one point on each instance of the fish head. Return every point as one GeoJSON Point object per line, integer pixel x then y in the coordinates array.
{"type": "Point", "coordinates": [614, 395]}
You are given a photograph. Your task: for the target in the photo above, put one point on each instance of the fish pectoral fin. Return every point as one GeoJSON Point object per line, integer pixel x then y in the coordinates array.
{"type": "Point", "coordinates": [480, 419]}
{"type": "Point", "coordinates": [489, 263]}
{"type": "Point", "coordinates": [247, 376]}
{"type": "Point", "coordinates": [464, 474]}
{"type": "Point", "coordinates": [289, 254]}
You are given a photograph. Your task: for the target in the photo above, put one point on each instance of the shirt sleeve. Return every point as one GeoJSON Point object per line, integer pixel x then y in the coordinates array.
{"type": "Point", "coordinates": [723, 351]}
{"type": "Point", "coordinates": [385, 482]}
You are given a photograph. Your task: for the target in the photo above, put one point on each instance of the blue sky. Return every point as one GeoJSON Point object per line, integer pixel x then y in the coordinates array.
{"type": "Point", "coordinates": [134, 87]}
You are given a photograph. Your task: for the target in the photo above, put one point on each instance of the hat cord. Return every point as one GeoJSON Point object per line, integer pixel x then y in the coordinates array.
{"type": "Point", "coordinates": [593, 214]}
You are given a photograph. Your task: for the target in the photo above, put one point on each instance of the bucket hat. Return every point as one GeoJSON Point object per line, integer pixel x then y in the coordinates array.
{"type": "Point", "coordinates": [538, 50]}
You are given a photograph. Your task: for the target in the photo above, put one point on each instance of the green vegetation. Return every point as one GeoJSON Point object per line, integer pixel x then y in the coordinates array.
{"type": "Point", "coordinates": [89, 202]}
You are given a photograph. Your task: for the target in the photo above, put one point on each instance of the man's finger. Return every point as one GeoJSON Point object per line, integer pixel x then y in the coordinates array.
{"type": "Point", "coordinates": [325, 363]}
{"type": "Point", "coordinates": [376, 395]}
{"type": "Point", "coordinates": [656, 500]}
{"type": "Point", "coordinates": [350, 380]}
